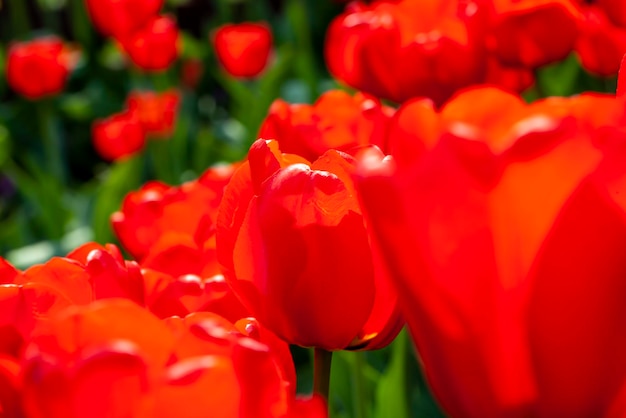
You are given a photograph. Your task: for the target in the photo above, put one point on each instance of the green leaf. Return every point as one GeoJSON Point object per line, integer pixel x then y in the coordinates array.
{"type": "Point", "coordinates": [391, 391]}
{"type": "Point", "coordinates": [121, 178]}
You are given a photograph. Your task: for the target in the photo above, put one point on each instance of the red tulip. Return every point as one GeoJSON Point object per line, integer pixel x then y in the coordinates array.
{"type": "Point", "coordinates": [523, 31]}
{"type": "Point", "coordinates": [118, 136]}
{"type": "Point", "coordinates": [402, 49]}
{"type": "Point", "coordinates": [156, 111]}
{"type": "Point", "coordinates": [113, 358]}
{"type": "Point", "coordinates": [243, 49]}
{"type": "Point", "coordinates": [10, 397]}
{"type": "Point", "coordinates": [336, 121]}
{"type": "Point", "coordinates": [119, 18]}
{"type": "Point", "coordinates": [159, 217]}
{"type": "Point", "coordinates": [615, 10]}
{"type": "Point", "coordinates": [168, 295]}
{"type": "Point", "coordinates": [154, 46]}
{"type": "Point", "coordinates": [38, 68]}
{"type": "Point", "coordinates": [601, 44]}
{"type": "Point", "coordinates": [296, 250]}
{"type": "Point", "coordinates": [505, 234]}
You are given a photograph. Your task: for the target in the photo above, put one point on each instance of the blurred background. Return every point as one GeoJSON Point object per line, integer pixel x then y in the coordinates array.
{"type": "Point", "coordinates": [218, 118]}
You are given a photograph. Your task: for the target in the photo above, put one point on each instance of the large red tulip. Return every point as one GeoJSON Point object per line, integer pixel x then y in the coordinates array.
{"type": "Point", "coordinates": [402, 49]}
{"type": "Point", "coordinates": [505, 232]}
{"type": "Point", "coordinates": [113, 358]}
{"type": "Point", "coordinates": [295, 248]}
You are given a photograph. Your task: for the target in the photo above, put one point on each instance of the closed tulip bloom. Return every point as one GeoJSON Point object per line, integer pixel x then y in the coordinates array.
{"type": "Point", "coordinates": [119, 18]}
{"type": "Point", "coordinates": [402, 49]}
{"type": "Point", "coordinates": [301, 257]}
{"type": "Point", "coordinates": [336, 120]}
{"type": "Point", "coordinates": [154, 46]}
{"type": "Point", "coordinates": [505, 234]}
{"type": "Point", "coordinates": [118, 136]}
{"type": "Point", "coordinates": [243, 49]}
{"type": "Point", "coordinates": [38, 68]}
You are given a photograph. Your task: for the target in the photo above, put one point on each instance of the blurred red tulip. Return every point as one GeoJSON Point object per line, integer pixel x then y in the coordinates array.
{"type": "Point", "coordinates": [38, 68]}
{"type": "Point", "coordinates": [119, 18]}
{"type": "Point", "coordinates": [159, 217]}
{"type": "Point", "coordinates": [119, 136]}
{"type": "Point", "coordinates": [505, 234]}
{"type": "Point", "coordinates": [243, 49]}
{"type": "Point", "coordinates": [336, 121]}
{"type": "Point", "coordinates": [10, 396]}
{"type": "Point", "coordinates": [154, 46]}
{"type": "Point", "coordinates": [523, 31]}
{"type": "Point", "coordinates": [621, 79]}
{"type": "Point", "coordinates": [156, 111]}
{"type": "Point", "coordinates": [191, 73]}
{"type": "Point", "coordinates": [402, 49]}
{"type": "Point", "coordinates": [296, 251]}
{"type": "Point", "coordinates": [615, 10]}
{"type": "Point", "coordinates": [113, 358]}
{"type": "Point", "coordinates": [601, 44]}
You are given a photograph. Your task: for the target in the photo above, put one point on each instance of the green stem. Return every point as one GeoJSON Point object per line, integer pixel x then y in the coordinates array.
{"type": "Point", "coordinates": [321, 374]}
{"type": "Point", "coordinates": [305, 62]}
{"type": "Point", "coordinates": [162, 160]}
{"type": "Point", "coordinates": [359, 396]}
{"type": "Point", "coordinates": [19, 18]}
{"type": "Point", "coordinates": [52, 141]}
{"type": "Point", "coordinates": [81, 25]}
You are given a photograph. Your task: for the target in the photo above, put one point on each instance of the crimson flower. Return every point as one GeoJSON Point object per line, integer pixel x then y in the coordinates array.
{"type": "Point", "coordinates": [295, 249]}
{"type": "Point", "coordinates": [243, 49]}
{"type": "Point", "coordinates": [156, 111]}
{"type": "Point", "coordinates": [402, 49]}
{"type": "Point", "coordinates": [119, 136]}
{"type": "Point", "coordinates": [504, 232]}
{"type": "Point", "coordinates": [114, 358]}
{"type": "Point", "coordinates": [336, 120]}
{"type": "Point", "coordinates": [38, 68]}
{"type": "Point", "coordinates": [154, 46]}
{"type": "Point", "coordinates": [120, 18]}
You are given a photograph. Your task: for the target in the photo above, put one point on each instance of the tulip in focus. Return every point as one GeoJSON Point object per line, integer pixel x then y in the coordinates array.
{"type": "Point", "coordinates": [243, 49]}
{"type": "Point", "coordinates": [294, 247]}
{"type": "Point", "coordinates": [505, 233]}
{"type": "Point", "coordinates": [154, 46]}
{"type": "Point", "coordinates": [38, 68]}
{"type": "Point", "coordinates": [336, 120]}
{"type": "Point", "coordinates": [118, 136]}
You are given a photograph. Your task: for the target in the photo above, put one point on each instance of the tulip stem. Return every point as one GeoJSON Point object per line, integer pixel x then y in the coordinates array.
{"type": "Point", "coordinates": [359, 396]}
{"type": "Point", "coordinates": [321, 374]}
{"type": "Point", "coordinates": [52, 141]}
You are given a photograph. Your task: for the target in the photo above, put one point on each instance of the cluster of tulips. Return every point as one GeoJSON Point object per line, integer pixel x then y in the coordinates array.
{"type": "Point", "coordinates": [494, 228]}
